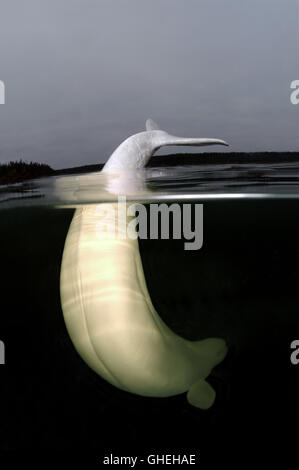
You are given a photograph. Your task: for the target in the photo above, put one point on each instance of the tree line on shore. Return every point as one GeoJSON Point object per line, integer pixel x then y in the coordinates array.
{"type": "Point", "coordinates": [16, 171]}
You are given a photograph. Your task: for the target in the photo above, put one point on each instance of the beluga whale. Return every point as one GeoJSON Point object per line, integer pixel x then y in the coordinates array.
{"type": "Point", "coordinates": [106, 305]}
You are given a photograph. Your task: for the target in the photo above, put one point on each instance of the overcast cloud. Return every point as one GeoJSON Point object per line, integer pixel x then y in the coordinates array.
{"type": "Point", "coordinates": [81, 75]}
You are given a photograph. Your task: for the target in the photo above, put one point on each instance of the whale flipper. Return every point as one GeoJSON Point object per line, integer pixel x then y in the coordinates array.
{"type": "Point", "coordinates": [201, 395]}
{"type": "Point", "coordinates": [151, 125]}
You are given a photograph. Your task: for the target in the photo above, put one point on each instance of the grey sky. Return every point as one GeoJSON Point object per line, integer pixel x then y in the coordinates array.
{"type": "Point", "coordinates": [81, 75]}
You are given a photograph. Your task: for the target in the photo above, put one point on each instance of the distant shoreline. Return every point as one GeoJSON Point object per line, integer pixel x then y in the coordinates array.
{"type": "Point", "coordinates": [183, 159]}
{"type": "Point", "coordinates": [16, 172]}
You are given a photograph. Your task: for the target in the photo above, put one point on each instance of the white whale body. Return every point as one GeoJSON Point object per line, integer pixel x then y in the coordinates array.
{"type": "Point", "coordinates": [107, 307]}
{"type": "Point", "coordinates": [135, 151]}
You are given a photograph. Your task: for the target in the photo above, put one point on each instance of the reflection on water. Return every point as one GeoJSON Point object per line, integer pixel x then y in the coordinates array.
{"type": "Point", "coordinates": [207, 181]}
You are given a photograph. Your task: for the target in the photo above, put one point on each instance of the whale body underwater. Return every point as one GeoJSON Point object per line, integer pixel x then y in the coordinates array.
{"type": "Point", "coordinates": [107, 307]}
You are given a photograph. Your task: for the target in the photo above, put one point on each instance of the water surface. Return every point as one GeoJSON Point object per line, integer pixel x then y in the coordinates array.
{"type": "Point", "coordinates": [169, 183]}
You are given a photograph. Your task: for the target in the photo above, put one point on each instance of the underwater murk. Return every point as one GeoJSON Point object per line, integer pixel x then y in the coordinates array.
{"type": "Point", "coordinates": [241, 286]}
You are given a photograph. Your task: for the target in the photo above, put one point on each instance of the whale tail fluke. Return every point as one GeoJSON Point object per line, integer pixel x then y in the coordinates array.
{"type": "Point", "coordinates": [212, 350]}
{"type": "Point", "coordinates": [201, 395]}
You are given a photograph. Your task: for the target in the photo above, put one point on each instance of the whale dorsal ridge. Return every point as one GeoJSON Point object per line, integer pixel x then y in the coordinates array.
{"type": "Point", "coordinates": [151, 125]}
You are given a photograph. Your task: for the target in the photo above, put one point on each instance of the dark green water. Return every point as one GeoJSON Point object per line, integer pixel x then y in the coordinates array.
{"type": "Point", "coordinates": [242, 286]}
